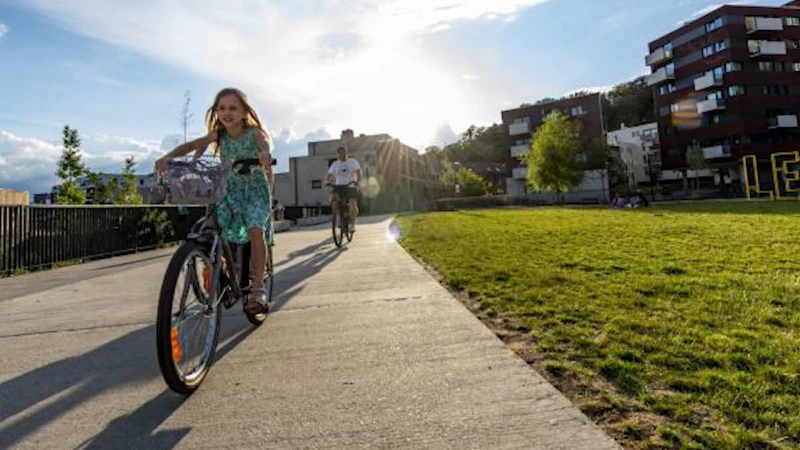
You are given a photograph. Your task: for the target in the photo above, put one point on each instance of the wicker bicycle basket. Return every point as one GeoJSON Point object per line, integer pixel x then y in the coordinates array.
{"type": "Point", "coordinates": [195, 182]}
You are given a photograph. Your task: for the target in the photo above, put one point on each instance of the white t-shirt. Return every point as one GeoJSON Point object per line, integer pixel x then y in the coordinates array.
{"type": "Point", "coordinates": [344, 172]}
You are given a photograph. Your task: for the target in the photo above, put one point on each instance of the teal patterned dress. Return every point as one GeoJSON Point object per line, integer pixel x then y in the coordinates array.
{"type": "Point", "coordinates": [248, 201]}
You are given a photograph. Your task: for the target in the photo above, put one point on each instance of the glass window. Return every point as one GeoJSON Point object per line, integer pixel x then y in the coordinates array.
{"type": "Point", "coordinates": [793, 21]}
{"type": "Point", "coordinates": [708, 51]}
{"type": "Point", "coordinates": [733, 67]}
{"type": "Point", "coordinates": [718, 73]}
{"type": "Point", "coordinates": [670, 69]}
{"type": "Point", "coordinates": [766, 66]}
{"type": "Point", "coordinates": [733, 91]}
{"type": "Point", "coordinates": [714, 24]}
{"type": "Point", "coordinates": [316, 184]}
{"type": "Point", "coordinates": [720, 46]}
{"type": "Point", "coordinates": [796, 67]}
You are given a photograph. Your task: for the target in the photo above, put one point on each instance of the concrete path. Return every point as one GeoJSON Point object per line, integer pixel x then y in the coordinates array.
{"type": "Point", "coordinates": [366, 350]}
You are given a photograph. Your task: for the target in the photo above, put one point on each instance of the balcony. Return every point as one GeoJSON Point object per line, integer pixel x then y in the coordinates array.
{"type": "Point", "coordinates": [783, 121]}
{"type": "Point", "coordinates": [658, 55]}
{"type": "Point", "coordinates": [519, 150]}
{"type": "Point", "coordinates": [756, 24]}
{"type": "Point", "coordinates": [659, 76]}
{"type": "Point", "coordinates": [705, 82]}
{"type": "Point", "coordinates": [519, 128]}
{"type": "Point", "coordinates": [712, 104]}
{"type": "Point", "coordinates": [717, 151]}
{"type": "Point", "coordinates": [520, 173]}
{"type": "Point", "coordinates": [767, 48]}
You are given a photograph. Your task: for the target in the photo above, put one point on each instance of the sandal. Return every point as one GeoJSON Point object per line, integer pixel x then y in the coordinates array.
{"type": "Point", "coordinates": [257, 302]}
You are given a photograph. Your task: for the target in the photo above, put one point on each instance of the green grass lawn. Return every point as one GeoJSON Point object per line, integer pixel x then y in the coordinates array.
{"type": "Point", "coordinates": [672, 327]}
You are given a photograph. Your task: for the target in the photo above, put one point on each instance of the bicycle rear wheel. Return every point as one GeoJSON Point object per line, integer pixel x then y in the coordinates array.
{"type": "Point", "coordinates": [187, 326]}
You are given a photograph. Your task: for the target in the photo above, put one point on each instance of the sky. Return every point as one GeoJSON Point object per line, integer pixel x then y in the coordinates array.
{"type": "Point", "coordinates": [420, 70]}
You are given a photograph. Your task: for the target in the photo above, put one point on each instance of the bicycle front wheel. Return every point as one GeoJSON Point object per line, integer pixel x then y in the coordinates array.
{"type": "Point", "coordinates": [337, 223]}
{"type": "Point", "coordinates": [188, 322]}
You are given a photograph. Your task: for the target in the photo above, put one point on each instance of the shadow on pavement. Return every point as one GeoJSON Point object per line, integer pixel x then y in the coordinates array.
{"type": "Point", "coordinates": [127, 361]}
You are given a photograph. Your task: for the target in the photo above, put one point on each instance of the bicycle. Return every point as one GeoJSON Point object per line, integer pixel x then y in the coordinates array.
{"type": "Point", "coordinates": [215, 272]}
{"type": "Point", "coordinates": [341, 219]}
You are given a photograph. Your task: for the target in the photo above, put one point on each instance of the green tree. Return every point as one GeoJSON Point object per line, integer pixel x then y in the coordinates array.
{"type": "Point", "coordinates": [479, 144]}
{"type": "Point", "coordinates": [553, 161]}
{"type": "Point", "coordinates": [69, 169]}
{"type": "Point", "coordinates": [630, 103]}
{"type": "Point", "coordinates": [102, 193]}
{"type": "Point", "coordinates": [129, 190]}
{"type": "Point", "coordinates": [696, 161]}
{"type": "Point", "coordinates": [464, 183]}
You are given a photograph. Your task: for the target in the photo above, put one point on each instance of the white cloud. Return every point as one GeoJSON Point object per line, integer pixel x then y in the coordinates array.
{"type": "Point", "coordinates": [3, 30]}
{"type": "Point", "coordinates": [29, 164]}
{"type": "Point", "coordinates": [362, 62]}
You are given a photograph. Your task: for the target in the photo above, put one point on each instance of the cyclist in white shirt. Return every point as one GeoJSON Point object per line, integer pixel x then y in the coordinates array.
{"type": "Point", "coordinates": [345, 175]}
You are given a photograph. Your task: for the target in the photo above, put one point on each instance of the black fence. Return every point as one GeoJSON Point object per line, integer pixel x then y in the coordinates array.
{"type": "Point", "coordinates": [36, 237]}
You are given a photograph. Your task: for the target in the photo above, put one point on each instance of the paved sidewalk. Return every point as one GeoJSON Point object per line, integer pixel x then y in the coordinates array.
{"type": "Point", "coordinates": [366, 350]}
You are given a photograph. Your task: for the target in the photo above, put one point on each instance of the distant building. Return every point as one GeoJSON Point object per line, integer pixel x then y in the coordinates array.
{"type": "Point", "coordinates": [640, 152]}
{"type": "Point", "coordinates": [147, 185]}
{"type": "Point", "coordinates": [397, 177]}
{"type": "Point", "coordinates": [523, 122]}
{"type": "Point", "coordinates": [12, 197]}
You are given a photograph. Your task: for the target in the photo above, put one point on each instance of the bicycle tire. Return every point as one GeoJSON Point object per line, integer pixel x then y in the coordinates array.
{"type": "Point", "coordinates": [164, 326]}
{"type": "Point", "coordinates": [337, 219]}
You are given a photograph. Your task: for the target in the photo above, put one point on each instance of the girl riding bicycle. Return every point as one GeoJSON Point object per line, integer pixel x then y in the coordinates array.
{"type": "Point", "coordinates": [245, 215]}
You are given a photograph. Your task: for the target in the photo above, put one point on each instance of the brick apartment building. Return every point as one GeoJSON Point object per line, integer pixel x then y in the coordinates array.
{"type": "Point", "coordinates": [729, 80]}
{"type": "Point", "coordinates": [522, 122]}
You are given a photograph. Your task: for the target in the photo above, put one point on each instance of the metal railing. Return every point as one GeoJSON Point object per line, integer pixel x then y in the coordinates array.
{"type": "Point", "coordinates": [40, 236]}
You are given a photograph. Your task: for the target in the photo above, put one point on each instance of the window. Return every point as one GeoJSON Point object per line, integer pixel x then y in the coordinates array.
{"type": "Point", "coordinates": [674, 107]}
{"type": "Point", "coordinates": [577, 111]}
{"type": "Point", "coordinates": [720, 46]}
{"type": "Point", "coordinates": [664, 110]}
{"type": "Point", "coordinates": [670, 68]}
{"type": "Point", "coordinates": [733, 91]}
{"type": "Point", "coordinates": [733, 67]}
{"type": "Point", "coordinates": [716, 119]}
{"type": "Point", "coordinates": [736, 90]}
{"type": "Point", "coordinates": [796, 67]}
{"type": "Point", "coordinates": [714, 25]}
{"type": "Point", "coordinates": [708, 51]}
{"type": "Point", "coordinates": [141, 182]}
{"type": "Point", "coordinates": [718, 73]}
{"type": "Point", "coordinates": [522, 120]}
{"type": "Point", "coordinates": [778, 66]}
{"type": "Point", "coordinates": [316, 184]}
{"type": "Point", "coordinates": [668, 48]}
{"type": "Point", "coordinates": [766, 66]}
{"type": "Point", "coordinates": [665, 89]}
{"type": "Point", "coordinates": [793, 44]}
{"type": "Point", "coordinates": [793, 21]}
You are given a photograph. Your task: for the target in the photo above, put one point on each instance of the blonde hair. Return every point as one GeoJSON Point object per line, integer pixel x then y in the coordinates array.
{"type": "Point", "coordinates": [251, 118]}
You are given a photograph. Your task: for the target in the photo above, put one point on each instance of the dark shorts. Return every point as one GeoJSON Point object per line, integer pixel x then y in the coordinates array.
{"type": "Point", "coordinates": [346, 192]}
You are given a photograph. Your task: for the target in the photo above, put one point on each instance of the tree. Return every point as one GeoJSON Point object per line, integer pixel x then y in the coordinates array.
{"type": "Point", "coordinates": [630, 103]}
{"type": "Point", "coordinates": [464, 183]}
{"type": "Point", "coordinates": [553, 161]}
{"type": "Point", "coordinates": [186, 115]}
{"type": "Point", "coordinates": [480, 144]}
{"type": "Point", "coordinates": [696, 161]}
{"type": "Point", "coordinates": [102, 193]}
{"type": "Point", "coordinates": [545, 100]}
{"type": "Point", "coordinates": [129, 191]}
{"type": "Point", "coordinates": [69, 169]}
